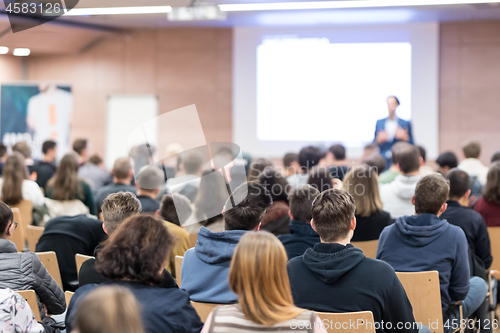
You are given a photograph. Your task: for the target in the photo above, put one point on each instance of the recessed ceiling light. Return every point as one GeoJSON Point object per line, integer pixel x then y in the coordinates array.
{"type": "Point", "coordinates": [119, 10]}
{"type": "Point", "coordinates": [21, 52]}
{"type": "Point", "coordinates": [4, 50]}
{"type": "Point", "coordinates": [345, 4]}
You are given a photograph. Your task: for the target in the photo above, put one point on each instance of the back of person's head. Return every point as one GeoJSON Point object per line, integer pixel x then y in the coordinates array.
{"type": "Point", "coordinates": [377, 162]}
{"type": "Point", "coordinates": [471, 149]}
{"type": "Point", "coordinates": [211, 197]}
{"type": "Point", "coordinates": [321, 178]}
{"type": "Point", "coordinates": [491, 190]}
{"type": "Point", "coordinates": [48, 145]}
{"type": "Point", "coordinates": [175, 208]}
{"type": "Point", "coordinates": [108, 309]}
{"type": "Point", "coordinates": [494, 158]}
{"type": "Point", "coordinates": [338, 152]}
{"type": "Point", "coordinates": [192, 162]}
{"type": "Point", "coordinates": [300, 200]}
{"type": "Point", "coordinates": [431, 193]}
{"type": "Point", "coordinates": [13, 175]}
{"type": "Point", "coordinates": [447, 159]}
{"type": "Point", "coordinates": [310, 156]}
{"type": "Point", "coordinates": [459, 183]}
{"type": "Point", "coordinates": [246, 206]}
{"type": "Point", "coordinates": [259, 277]}
{"type": "Point", "coordinates": [370, 149]}
{"type": "Point", "coordinates": [422, 152]}
{"type": "Point", "coordinates": [395, 148]}
{"type": "Point", "coordinates": [23, 148]}
{"type": "Point", "coordinates": [150, 178]}
{"type": "Point", "coordinates": [332, 213]}
{"type": "Point", "coordinates": [289, 158]}
{"type": "Point", "coordinates": [6, 218]}
{"type": "Point", "coordinates": [3, 150]}
{"type": "Point", "coordinates": [65, 183]}
{"type": "Point", "coordinates": [362, 184]}
{"type": "Point", "coordinates": [408, 159]}
{"type": "Point", "coordinates": [122, 168]}
{"type": "Point", "coordinates": [117, 207]}
{"type": "Point", "coordinates": [276, 184]}
{"type": "Point", "coordinates": [79, 145]}
{"type": "Point", "coordinates": [136, 251]}
{"type": "Point", "coordinates": [95, 159]}
{"type": "Point", "coordinates": [257, 167]}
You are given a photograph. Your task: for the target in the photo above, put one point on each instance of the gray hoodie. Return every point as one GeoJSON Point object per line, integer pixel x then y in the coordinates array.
{"type": "Point", "coordinates": [396, 196]}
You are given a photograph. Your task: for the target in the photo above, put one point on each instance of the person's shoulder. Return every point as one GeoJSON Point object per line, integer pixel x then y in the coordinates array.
{"type": "Point", "coordinates": [295, 262]}
{"type": "Point", "coordinates": [85, 185]}
{"type": "Point", "coordinates": [174, 228]}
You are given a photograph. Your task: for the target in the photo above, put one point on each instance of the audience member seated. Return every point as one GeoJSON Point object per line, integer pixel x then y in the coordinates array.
{"type": "Point", "coordinates": [208, 205]}
{"type": "Point", "coordinates": [117, 207]}
{"type": "Point", "coordinates": [148, 186]}
{"type": "Point", "coordinates": [14, 184]}
{"type": "Point", "coordinates": [390, 174]}
{"type": "Point", "coordinates": [276, 220]}
{"type": "Point", "coordinates": [396, 196]}
{"type": "Point", "coordinates": [3, 155]}
{"type": "Point", "coordinates": [494, 158]}
{"type": "Point", "coordinates": [108, 309]}
{"type": "Point", "coordinates": [334, 276]}
{"type": "Point", "coordinates": [424, 169]}
{"type": "Point", "coordinates": [24, 149]}
{"type": "Point", "coordinates": [258, 276]}
{"type": "Point", "coordinates": [301, 236]}
{"type": "Point", "coordinates": [205, 268]}
{"type": "Point", "coordinates": [94, 173]}
{"type": "Point", "coordinates": [122, 176]}
{"type": "Point", "coordinates": [257, 168]}
{"type": "Point", "coordinates": [187, 180]}
{"type": "Point", "coordinates": [23, 270]}
{"type": "Point", "coordinates": [340, 165]}
{"type": "Point", "coordinates": [16, 314]}
{"type": "Point", "coordinates": [424, 242]}
{"type": "Point", "coordinates": [291, 164]}
{"type": "Point", "coordinates": [371, 219]}
{"type": "Point", "coordinates": [321, 178]}
{"type": "Point", "coordinates": [447, 161]}
{"type": "Point", "coordinates": [309, 157]}
{"type": "Point", "coordinates": [66, 185]}
{"type": "Point", "coordinates": [80, 147]}
{"type": "Point", "coordinates": [67, 236]}
{"type": "Point", "coordinates": [369, 150]}
{"type": "Point", "coordinates": [171, 206]}
{"type": "Point", "coordinates": [489, 205]}
{"type": "Point", "coordinates": [133, 257]}
{"type": "Point", "coordinates": [376, 161]}
{"type": "Point", "coordinates": [472, 165]}
{"type": "Point", "coordinates": [46, 168]}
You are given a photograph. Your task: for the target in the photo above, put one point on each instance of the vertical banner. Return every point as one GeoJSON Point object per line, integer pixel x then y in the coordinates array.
{"type": "Point", "coordinates": [34, 113]}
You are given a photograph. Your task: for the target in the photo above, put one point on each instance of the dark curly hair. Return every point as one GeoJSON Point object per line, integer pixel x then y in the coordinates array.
{"type": "Point", "coordinates": [137, 251]}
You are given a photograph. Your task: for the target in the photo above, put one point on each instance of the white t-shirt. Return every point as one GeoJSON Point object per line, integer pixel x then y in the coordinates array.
{"type": "Point", "coordinates": [391, 125]}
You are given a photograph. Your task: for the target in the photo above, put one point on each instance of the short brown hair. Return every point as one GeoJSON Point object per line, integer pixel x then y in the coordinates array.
{"type": "Point", "coordinates": [408, 158]}
{"type": "Point", "coordinates": [459, 183]}
{"type": "Point", "coordinates": [332, 212]}
{"type": "Point", "coordinates": [95, 159]}
{"type": "Point", "coordinates": [175, 208]}
{"type": "Point", "coordinates": [136, 251]}
{"type": "Point", "coordinates": [79, 145]}
{"type": "Point", "coordinates": [431, 193]}
{"type": "Point", "coordinates": [491, 190]}
{"type": "Point", "coordinates": [191, 161]}
{"type": "Point", "coordinates": [471, 149]}
{"type": "Point", "coordinates": [23, 148]}
{"type": "Point", "coordinates": [122, 168]}
{"type": "Point", "coordinates": [362, 184]}
{"type": "Point", "coordinates": [300, 201]}
{"type": "Point", "coordinates": [117, 207]}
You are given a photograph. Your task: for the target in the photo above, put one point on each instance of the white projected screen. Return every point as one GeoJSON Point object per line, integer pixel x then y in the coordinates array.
{"type": "Point", "coordinates": [309, 89]}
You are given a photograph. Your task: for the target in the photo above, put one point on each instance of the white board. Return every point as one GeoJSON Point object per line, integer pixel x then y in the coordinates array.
{"type": "Point", "coordinates": [124, 115]}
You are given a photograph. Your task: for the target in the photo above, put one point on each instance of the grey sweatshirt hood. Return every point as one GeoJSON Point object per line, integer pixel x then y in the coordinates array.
{"type": "Point", "coordinates": [404, 186]}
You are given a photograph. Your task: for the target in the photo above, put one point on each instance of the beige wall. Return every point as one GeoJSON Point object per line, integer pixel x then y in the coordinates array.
{"type": "Point", "coordinates": [181, 66]}
{"type": "Point", "coordinates": [10, 68]}
{"type": "Point", "coordinates": [469, 102]}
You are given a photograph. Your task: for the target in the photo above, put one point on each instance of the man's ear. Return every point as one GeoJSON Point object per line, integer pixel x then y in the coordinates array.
{"type": "Point", "coordinates": [290, 214]}
{"type": "Point", "coordinates": [136, 185]}
{"type": "Point", "coordinates": [258, 227]}
{"type": "Point", "coordinates": [157, 213]}
{"type": "Point", "coordinates": [422, 163]}
{"type": "Point", "coordinates": [413, 200]}
{"type": "Point", "coordinates": [313, 225]}
{"type": "Point", "coordinates": [467, 194]}
{"type": "Point", "coordinates": [104, 228]}
{"type": "Point", "coordinates": [399, 168]}
{"type": "Point", "coordinates": [353, 223]}
{"type": "Point", "coordinates": [443, 208]}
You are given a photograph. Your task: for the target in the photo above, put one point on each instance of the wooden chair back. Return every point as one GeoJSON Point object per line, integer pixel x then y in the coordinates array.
{"type": "Point", "coordinates": [422, 289]}
{"type": "Point", "coordinates": [80, 259]}
{"type": "Point", "coordinates": [340, 322]}
{"type": "Point", "coordinates": [32, 300]}
{"type": "Point", "coordinates": [203, 309]}
{"type": "Point", "coordinates": [67, 295]}
{"type": "Point", "coordinates": [18, 237]}
{"type": "Point", "coordinates": [178, 268]}
{"type": "Point", "coordinates": [193, 238]}
{"type": "Point", "coordinates": [26, 209]}
{"type": "Point", "coordinates": [33, 234]}
{"type": "Point", "coordinates": [494, 233]}
{"type": "Point", "coordinates": [49, 260]}
{"type": "Point", "coordinates": [369, 248]}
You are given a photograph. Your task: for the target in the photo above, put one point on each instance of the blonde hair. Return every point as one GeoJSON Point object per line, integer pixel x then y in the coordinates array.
{"type": "Point", "coordinates": [109, 309]}
{"type": "Point", "coordinates": [362, 183]}
{"type": "Point", "coordinates": [259, 277]}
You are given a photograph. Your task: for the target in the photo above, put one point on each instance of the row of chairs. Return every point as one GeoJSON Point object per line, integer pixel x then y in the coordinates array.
{"type": "Point", "coordinates": [31, 299]}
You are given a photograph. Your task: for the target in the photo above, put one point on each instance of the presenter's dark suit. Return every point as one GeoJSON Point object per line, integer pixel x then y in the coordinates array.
{"type": "Point", "coordinates": [385, 148]}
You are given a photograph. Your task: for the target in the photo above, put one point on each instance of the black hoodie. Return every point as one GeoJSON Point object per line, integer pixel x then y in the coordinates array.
{"type": "Point", "coordinates": [338, 278]}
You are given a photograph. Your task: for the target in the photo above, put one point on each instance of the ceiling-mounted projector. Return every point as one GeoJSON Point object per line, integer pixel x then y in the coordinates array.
{"type": "Point", "coordinates": [196, 12]}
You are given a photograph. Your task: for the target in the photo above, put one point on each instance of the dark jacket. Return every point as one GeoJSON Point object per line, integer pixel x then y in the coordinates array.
{"type": "Point", "coordinates": [338, 278]}
{"type": "Point", "coordinates": [23, 271]}
{"type": "Point", "coordinates": [369, 228]}
{"type": "Point", "coordinates": [44, 171]}
{"type": "Point", "coordinates": [162, 310]}
{"type": "Point", "coordinates": [276, 219]}
{"type": "Point", "coordinates": [149, 205]}
{"type": "Point", "coordinates": [425, 243]}
{"type": "Point", "coordinates": [67, 236]}
{"type": "Point", "coordinates": [300, 238]}
{"type": "Point", "coordinates": [104, 191]}
{"type": "Point", "coordinates": [385, 148]}
{"type": "Point", "coordinates": [474, 227]}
